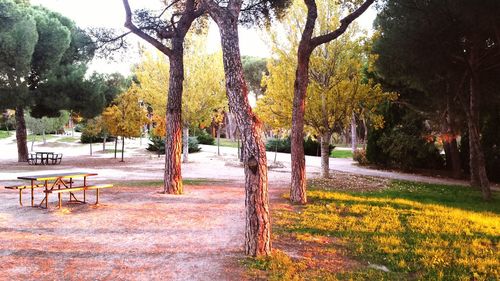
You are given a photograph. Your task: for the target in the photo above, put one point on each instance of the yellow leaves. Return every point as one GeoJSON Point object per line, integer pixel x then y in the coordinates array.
{"type": "Point", "coordinates": [337, 88]}
{"type": "Point", "coordinates": [126, 116]}
{"type": "Point", "coordinates": [204, 86]}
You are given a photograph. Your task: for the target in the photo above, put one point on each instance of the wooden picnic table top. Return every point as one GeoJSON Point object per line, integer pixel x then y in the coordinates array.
{"type": "Point", "coordinates": [54, 176]}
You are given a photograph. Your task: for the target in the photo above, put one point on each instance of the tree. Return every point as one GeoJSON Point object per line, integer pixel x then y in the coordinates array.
{"type": "Point", "coordinates": [309, 42]}
{"type": "Point", "coordinates": [166, 32]}
{"type": "Point", "coordinates": [254, 68]}
{"type": "Point", "coordinates": [44, 125]}
{"type": "Point", "coordinates": [451, 46]}
{"type": "Point", "coordinates": [92, 129]}
{"type": "Point", "coordinates": [338, 88]}
{"type": "Point", "coordinates": [125, 117]}
{"type": "Point", "coordinates": [41, 49]}
{"type": "Point", "coordinates": [204, 94]}
{"type": "Point", "coordinates": [227, 16]}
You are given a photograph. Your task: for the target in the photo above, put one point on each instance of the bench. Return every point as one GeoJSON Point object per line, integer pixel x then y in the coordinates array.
{"type": "Point", "coordinates": [44, 158]}
{"type": "Point", "coordinates": [21, 188]}
{"type": "Point", "coordinates": [96, 187]}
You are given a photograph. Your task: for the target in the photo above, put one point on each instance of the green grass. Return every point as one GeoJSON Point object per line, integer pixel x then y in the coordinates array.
{"type": "Point", "coordinates": [4, 134]}
{"type": "Point", "coordinates": [40, 137]}
{"type": "Point", "coordinates": [341, 153]}
{"type": "Point", "coordinates": [68, 139]}
{"type": "Point", "coordinates": [227, 143]}
{"type": "Point", "coordinates": [418, 231]}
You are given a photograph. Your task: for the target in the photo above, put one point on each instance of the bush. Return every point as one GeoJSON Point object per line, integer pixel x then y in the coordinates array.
{"type": "Point", "coordinates": [157, 144]}
{"type": "Point", "coordinates": [84, 138]}
{"type": "Point", "coordinates": [359, 156]}
{"type": "Point", "coordinates": [401, 143]}
{"type": "Point", "coordinates": [205, 138]}
{"type": "Point", "coordinates": [280, 145]}
{"type": "Point", "coordinates": [78, 128]}
{"type": "Point", "coordinates": [311, 147]}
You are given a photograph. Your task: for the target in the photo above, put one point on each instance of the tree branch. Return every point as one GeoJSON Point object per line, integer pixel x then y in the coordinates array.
{"type": "Point", "coordinates": [134, 29]}
{"type": "Point", "coordinates": [344, 23]}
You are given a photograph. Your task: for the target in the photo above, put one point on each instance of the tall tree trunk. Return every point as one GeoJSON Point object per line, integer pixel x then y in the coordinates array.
{"type": "Point", "coordinates": [185, 150]}
{"type": "Point", "coordinates": [116, 144]}
{"type": "Point", "coordinates": [456, 163]}
{"type": "Point", "coordinates": [123, 148]}
{"type": "Point", "coordinates": [218, 139]}
{"type": "Point", "coordinates": [104, 142]}
{"type": "Point", "coordinates": [173, 140]}
{"type": "Point", "coordinates": [479, 177]}
{"type": "Point", "coordinates": [298, 187]}
{"type": "Point", "coordinates": [21, 136]}
{"type": "Point", "coordinates": [257, 227]}
{"type": "Point", "coordinates": [354, 135]}
{"type": "Point", "coordinates": [325, 154]}
{"type": "Point", "coordinates": [43, 136]}
{"type": "Point", "coordinates": [365, 129]}
{"type": "Point", "coordinates": [90, 145]}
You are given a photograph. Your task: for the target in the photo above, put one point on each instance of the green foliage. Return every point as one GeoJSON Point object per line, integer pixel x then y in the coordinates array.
{"type": "Point", "coordinates": [336, 153]}
{"type": "Point", "coordinates": [280, 145]}
{"type": "Point", "coordinates": [404, 142]}
{"type": "Point", "coordinates": [253, 69]}
{"type": "Point", "coordinates": [205, 138]}
{"type": "Point", "coordinates": [418, 231]}
{"type": "Point", "coordinates": [46, 125]}
{"type": "Point", "coordinates": [157, 144]}
{"type": "Point", "coordinates": [311, 147]}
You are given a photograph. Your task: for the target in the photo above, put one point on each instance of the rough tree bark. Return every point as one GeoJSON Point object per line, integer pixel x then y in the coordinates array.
{"type": "Point", "coordinates": [325, 154]}
{"type": "Point", "coordinates": [175, 33]}
{"type": "Point", "coordinates": [173, 139]}
{"type": "Point", "coordinates": [479, 177]}
{"type": "Point", "coordinates": [185, 149]}
{"type": "Point", "coordinates": [257, 227]}
{"type": "Point", "coordinates": [307, 44]}
{"type": "Point", "coordinates": [21, 136]}
{"type": "Point", "coordinates": [354, 136]}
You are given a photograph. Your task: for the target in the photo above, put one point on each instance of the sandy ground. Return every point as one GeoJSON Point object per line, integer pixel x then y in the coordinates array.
{"type": "Point", "coordinates": [137, 233]}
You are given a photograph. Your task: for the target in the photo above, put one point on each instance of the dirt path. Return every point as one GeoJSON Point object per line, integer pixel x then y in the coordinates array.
{"type": "Point", "coordinates": [136, 234]}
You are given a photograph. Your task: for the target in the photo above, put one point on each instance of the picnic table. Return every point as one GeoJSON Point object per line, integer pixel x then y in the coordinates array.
{"type": "Point", "coordinates": [44, 158]}
{"type": "Point", "coordinates": [58, 183]}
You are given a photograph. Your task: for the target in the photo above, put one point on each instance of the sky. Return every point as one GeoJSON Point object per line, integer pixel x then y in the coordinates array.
{"type": "Point", "coordinates": [110, 13]}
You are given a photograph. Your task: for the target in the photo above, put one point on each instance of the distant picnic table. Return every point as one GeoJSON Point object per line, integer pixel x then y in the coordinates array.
{"type": "Point", "coordinates": [58, 183]}
{"type": "Point", "coordinates": [44, 158]}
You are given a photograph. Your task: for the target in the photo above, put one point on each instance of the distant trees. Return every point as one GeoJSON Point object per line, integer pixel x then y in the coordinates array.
{"type": "Point", "coordinates": [254, 68]}
{"type": "Point", "coordinates": [310, 39]}
{"type": "Point", "coordinates": [450, 50]}
{"type": "Point", "coordinates": [42, 66]}
{"type": "Point", "coordinates": [125, 117]}
{"type": "Point", "coordinates": [338, 89]}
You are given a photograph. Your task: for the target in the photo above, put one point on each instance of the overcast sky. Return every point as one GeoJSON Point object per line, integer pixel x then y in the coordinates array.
{"type": "Point", "coordinates": [110, 13]}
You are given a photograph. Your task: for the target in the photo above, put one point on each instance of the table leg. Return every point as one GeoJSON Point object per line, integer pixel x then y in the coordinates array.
{"type": "Point", "coordinates": [60, 200]}
{"type": "Point", "coordinates": [21, 197]}
{"type": "Point", "coordinates": [46, 195]}
{"type": "Point", "coordinates": [84, 196]}
{"type": "Point", "coordinates": [32, 197]}
{"type": "Point", "coordinates": [97, 196]}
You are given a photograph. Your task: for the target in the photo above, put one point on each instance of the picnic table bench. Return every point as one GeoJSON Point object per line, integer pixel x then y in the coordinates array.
{"type": "Point", "coordinates": [44, 158]}
{"type": "Point", "coordinates": [59, 183]}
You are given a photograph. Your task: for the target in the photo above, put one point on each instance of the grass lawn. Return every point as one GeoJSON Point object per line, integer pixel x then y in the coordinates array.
{"type": "Point", "coordinates": [68, 139]}
{"type": "Point", "coordinates": [341, 153]}
{"type": "Point", "coordinates": [416, 231]}
{"type": "Point", "coordinates": [5, 134]}
{"type": "Point", "coordinates": [227, 143]}
{"type": "Point", "coordinates": [159, 183]}
{"type": "Point", "coordinates": [40, 137]}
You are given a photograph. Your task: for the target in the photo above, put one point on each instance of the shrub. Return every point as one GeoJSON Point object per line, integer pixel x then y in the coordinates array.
{"type": "Point", "coordinates": [359, 156]}
{"type": "Point", "coordinates": [157, 144]}
{"type": "Point", "coordinates": [205, 138]}
{"type": "Point", "coordinates": [311, 147]}
{"type": "Point", "coordinates": [280, 145]}
{"type": "Point", "coordinates": [84, 138]}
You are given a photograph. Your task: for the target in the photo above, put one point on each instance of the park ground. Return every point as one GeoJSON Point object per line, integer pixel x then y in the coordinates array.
{"type": "Point", "coordinates": [363, 224]}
